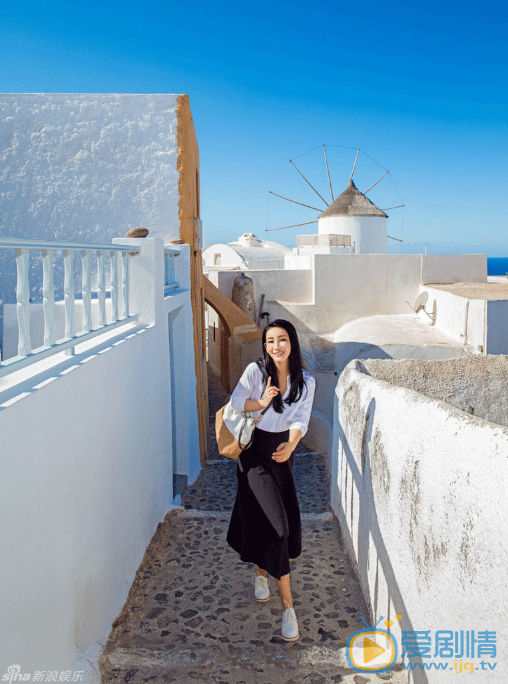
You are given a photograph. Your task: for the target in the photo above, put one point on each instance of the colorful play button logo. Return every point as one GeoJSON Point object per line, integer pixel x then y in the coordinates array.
{"type": "Point", "coordinates": [371, 650]}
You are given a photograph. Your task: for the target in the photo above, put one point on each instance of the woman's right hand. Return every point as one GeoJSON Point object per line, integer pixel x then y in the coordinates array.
{"type": "Point", "coordinates": [269, 394]}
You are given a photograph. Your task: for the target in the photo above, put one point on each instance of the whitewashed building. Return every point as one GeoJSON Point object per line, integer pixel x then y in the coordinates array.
{"type": "Point", "coordinates": [352, 224]}
{"type": "Point", "coordinates": [87, 168]}
{"type": "Point", "coordinates": [94, 431]}
{"type": "Point", "coordinates": [352, 214]}
{"type": "Point", "coordinates": [103, 392]}
{"type": "Point", "coordinates": [248, 252]}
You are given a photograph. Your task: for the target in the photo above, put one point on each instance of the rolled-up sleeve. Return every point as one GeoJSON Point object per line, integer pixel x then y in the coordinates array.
{"type": "Point", "coordinates": [244, 389]}
{"type": "Point", "coordinates": [302, 414]}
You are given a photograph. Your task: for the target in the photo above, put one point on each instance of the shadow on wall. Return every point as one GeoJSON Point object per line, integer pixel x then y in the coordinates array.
{"type": "Point", "coordinates": [278, 310]}
{"type": "Point", "coordinates": [1, 330]}
{"type": "Point", "coordinates": [419, 489]}
{"type": "Point", "coordinates": [369, 529]}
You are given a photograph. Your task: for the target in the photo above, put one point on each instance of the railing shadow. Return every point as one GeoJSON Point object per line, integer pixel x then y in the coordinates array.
{"type": "Point", "coordinates": [368, 528]}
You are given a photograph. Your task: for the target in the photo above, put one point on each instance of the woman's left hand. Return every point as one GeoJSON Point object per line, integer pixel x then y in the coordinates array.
{"type": "Point", "coordinates": [283, 452]}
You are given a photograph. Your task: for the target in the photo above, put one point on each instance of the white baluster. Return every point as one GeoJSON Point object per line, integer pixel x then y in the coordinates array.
{"type": "Point", "coordinates": [23, 302]}
{"type": "Point", "coordinates": [69, 296]}
{"type": "Point", "coordinates": [101, 288]}
{"type": "Point", "coordinates": [171, 269]}
{"type": "Point", "coordinates": [86, 291]}
{"type": "Point", "coordinates": [48, 297]}
{"type": "Point", "coordinates": [114, 286]}
{"type": "Point", "coordinates": [125, 284]}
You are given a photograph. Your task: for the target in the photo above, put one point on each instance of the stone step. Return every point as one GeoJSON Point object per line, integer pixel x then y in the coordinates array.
{"type": "Point", "coordinates": [200, 512]}
{"type": "Point", "coordinates": [294, 663]}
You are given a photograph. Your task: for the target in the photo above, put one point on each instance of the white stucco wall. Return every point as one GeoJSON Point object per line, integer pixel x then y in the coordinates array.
{"type": "Point", "coordinates": [419, 489]}
{"type": "Point", "coordinates": [459, 317]}
{"type": "Point", "coordinates": [85, 167]}
{"type": "Point", "coordinates": [454, 268]}
{"type": "Point", "coordinates": [227, 257]}
{"type": "Point", "coordinates": [475, 320]}
{"type": "Point", "coordinates": [341, 288]}
{"type": "Point", "coordinates": [87, 461]}
{"type": "Point", "coordinates": [298, 261]}
{"type": "Point", "coordinates": [288, 285]}
{"type": "Point", "coordinates": [347, 287]}
{"type": "Point", "coordinates": [237, 255]}
{"type": "Point", "coordinates": [496, 321]}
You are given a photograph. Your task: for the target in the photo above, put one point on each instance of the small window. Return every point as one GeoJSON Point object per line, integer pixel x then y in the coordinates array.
{"type": "Point", "coordinates": [216, 259]}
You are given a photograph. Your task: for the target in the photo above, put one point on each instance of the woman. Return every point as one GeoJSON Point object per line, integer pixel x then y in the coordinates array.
{"type": "Point", "coordinates": [265, 526]}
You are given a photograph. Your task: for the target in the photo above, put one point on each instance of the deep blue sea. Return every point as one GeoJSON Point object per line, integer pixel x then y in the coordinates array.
{"type": "Point", "coordinates": [497, 265]}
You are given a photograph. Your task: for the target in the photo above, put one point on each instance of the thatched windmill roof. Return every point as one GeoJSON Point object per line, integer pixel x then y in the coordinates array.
{"type": "Point", "coordinates": [352, 202]}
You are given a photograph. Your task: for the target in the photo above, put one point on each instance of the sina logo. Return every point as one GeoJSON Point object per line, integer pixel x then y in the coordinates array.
{"type": "Point", "coordinates": [372, 649]}
{"type": "Point", "coordinates": [14, 674]}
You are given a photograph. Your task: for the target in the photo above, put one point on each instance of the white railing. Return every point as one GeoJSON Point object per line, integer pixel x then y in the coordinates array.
{"type": "Point", "coordinates": [27, 355]}
{"type": "Point", "coordinates": [170, 283]}
{"type": "Point", "coordinates": [324, 240]}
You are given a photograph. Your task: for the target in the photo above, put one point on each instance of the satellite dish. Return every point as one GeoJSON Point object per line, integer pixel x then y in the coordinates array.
{"type": "Point", "coordinates": [421, 300]}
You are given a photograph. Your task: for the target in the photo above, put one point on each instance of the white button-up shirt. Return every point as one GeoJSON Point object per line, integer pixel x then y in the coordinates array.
{"type": "Point", "coordinates": [296, 415]}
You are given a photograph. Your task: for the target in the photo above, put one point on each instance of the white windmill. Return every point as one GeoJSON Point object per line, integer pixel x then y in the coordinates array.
{"type": "Point", "coordinates": [351, 224]}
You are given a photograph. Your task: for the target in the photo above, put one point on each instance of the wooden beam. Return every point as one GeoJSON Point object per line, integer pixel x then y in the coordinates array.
{"type": "Point", "coordinates": [379, 179]}
{"type": "Point", "coordinates": [294, 202]}
{"type": "Point", "coordinates": [317, 193]}
{"type": "Point", "coordinates": [328, 172]}
{"type": "Point", "coordinates": [294, 226]}
{"type": "Point", "coordinates": [354, 166]}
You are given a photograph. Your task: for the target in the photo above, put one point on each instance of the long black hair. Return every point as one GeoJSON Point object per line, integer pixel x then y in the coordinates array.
{"type": "Point", "coordinates": [295, 365]}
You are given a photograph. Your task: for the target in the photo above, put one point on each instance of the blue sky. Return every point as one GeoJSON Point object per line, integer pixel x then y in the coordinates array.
{"type": "Point", "coordinates": [420, 87]}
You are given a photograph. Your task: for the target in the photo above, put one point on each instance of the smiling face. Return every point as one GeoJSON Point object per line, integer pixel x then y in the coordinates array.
{"type": "Point", "coordinates": [278, 346]}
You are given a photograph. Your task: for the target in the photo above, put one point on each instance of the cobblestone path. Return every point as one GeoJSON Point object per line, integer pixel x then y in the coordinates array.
{"type": "Point", "coordinates": [191, 616]}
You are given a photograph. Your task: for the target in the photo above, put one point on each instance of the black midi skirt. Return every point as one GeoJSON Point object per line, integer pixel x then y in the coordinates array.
{"type": "Point", "coordinates": [265, 525]}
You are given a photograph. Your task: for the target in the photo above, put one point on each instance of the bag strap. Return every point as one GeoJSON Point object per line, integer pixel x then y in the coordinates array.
{"type": "Point", "coordinates": [260, 364]}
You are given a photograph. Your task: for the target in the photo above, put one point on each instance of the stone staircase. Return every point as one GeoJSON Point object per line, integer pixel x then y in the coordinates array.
{"type": "Point", "coordinates": [191, 617]}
